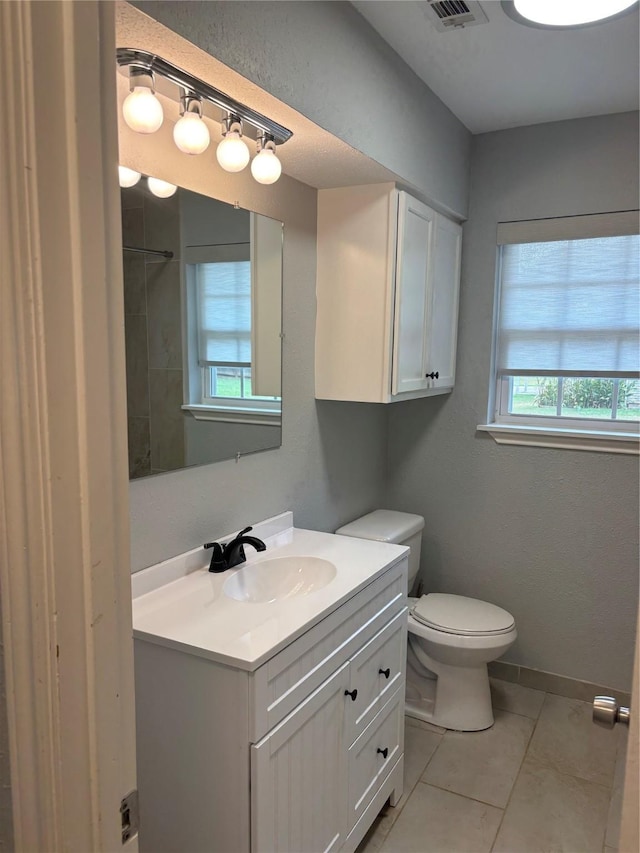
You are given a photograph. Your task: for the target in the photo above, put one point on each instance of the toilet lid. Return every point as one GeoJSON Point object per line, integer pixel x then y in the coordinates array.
{"type": "Point", "coordinates": [457, 614]}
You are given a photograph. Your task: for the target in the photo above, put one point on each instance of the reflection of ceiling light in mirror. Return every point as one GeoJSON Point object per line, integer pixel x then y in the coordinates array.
{"type": "Point", "coordinates": [570, 13]}
{"type": "Point", "coordinates": [232, 153]}
{"type": "Point", "coordinates": [265, 166]}
{"type": "Point", "coordinates": [162, 189]}
{"type": "Point", "coordinates": [128, 177]}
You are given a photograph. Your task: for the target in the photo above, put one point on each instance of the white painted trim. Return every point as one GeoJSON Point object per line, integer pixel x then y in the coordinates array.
{"type": "Point", "coordinates": [64, 552]}
{"type": "Point", "coordinates": [234, 414]}
{"type": "Point", "coordinates": [565, 439]}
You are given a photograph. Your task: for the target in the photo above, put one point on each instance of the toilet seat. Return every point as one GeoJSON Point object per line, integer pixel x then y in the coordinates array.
{"type": "Point", "coordinates": [457, 614]}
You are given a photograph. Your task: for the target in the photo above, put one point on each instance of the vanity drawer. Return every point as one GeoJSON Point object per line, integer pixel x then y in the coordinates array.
{"type": "Point", "coordinates": [373, 755]}
{"type": "Point", "coordinates": [283, 682]}
{"type": "Point", "coordinates": [376, 672]}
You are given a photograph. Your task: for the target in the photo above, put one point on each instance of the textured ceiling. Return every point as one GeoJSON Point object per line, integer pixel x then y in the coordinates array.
{"type": "Point", "coordinates": [503, 74]}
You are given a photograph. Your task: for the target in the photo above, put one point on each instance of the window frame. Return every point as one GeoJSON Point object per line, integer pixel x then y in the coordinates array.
{"type": "Point", "coordinates": [599, 434]}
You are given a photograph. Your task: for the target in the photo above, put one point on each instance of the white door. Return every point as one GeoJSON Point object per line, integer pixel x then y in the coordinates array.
{"type": "Point", "coordinates": [412, 298]}
{"type": "Point", "coordinates": [64, 536]}
{"type": "Point", "coordinates": [299, 776]}
{"type": "Point", "coordinates": [445, 287]}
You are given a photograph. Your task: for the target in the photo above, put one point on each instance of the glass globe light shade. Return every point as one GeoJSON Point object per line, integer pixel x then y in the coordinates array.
{"type": "Point", "coordinates": [142, 111]}
{"type": "Point", "coordinates": [162, 189]}
{"type": "Point", "coordinates": [232, 153]}
{"type": "Point", "coordinates": [570, 13]}
{"type": "Point", "coordinates": [265, 166]}
{"type": "Point", "coordinates": [191, 134]}
{"type": "Point", "coordinates": [128, 177]}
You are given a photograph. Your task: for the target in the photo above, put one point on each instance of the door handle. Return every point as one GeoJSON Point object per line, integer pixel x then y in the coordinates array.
{"type": "Point", "coordinates": [386, 672]}
{"type": "Point", "coordinates": [352, 693]}
{"type": "Point", "coordinates": [383, 752]}
{"type": "Point", "coordinates": [607, 712]}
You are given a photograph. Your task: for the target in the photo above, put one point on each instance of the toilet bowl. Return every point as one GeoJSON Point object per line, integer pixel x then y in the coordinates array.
{"type": "Point", "coordinates": [451, 638]}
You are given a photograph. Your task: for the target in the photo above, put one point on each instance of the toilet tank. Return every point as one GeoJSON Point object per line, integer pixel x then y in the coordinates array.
{"type": "Point", "coordinates": [387, 525]}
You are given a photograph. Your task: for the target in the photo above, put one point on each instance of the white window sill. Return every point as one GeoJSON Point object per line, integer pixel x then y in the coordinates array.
{"type": "Point", "coordinates": [566, 439]}
{"type": "Point", "coordinates": [234, 415]}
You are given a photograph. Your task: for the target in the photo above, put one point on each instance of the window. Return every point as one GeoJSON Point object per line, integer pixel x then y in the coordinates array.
{"type": "Point", "coordinates": [567, 330]}
{"type": "Point", "coordinates": [219, 312]}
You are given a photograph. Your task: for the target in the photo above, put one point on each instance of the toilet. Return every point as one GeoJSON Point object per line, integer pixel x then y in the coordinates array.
{"type": "Point", "coordinates": [451, 638]}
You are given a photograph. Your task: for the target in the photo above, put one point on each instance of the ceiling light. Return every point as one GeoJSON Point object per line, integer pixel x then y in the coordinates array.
{"type": "Point", "coordinates": [190, 133]}
{"type": "Point", "coordinates": [162, 189]}
{"type": "Point", "coordinates": [233, 152]}
{"type": "Point", "coordinates": [265, 166]}
{"type": "Point", "coordinates": [568, 13]}
{"type": "Point", "coordinates": [141, 109]}
{"type": "Point", "coordinates": [128, 177]}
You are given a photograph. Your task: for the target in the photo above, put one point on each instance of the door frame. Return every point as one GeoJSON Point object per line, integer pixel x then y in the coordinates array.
{"type": "Point", "coordinates": [64, 525]}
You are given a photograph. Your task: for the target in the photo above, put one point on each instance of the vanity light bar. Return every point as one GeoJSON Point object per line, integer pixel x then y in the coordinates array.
{"type": "Point", "coordinates": [145, 61]}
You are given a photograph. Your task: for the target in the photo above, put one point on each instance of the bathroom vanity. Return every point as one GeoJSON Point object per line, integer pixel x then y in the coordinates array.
{"type": "Point", "coordinates": [270, 698]}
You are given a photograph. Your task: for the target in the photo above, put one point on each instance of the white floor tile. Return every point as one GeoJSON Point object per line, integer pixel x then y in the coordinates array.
{"type": "Point", "coordinates": [567, 740]}
{"type": "Point", "coordinates": [435, 821]}
{"type": "Point", "coordinates": [516, 698]}
{"type": "Point", "coordinates": [550, 811]}
{"type": "Point", "coordinates": [482, 765]}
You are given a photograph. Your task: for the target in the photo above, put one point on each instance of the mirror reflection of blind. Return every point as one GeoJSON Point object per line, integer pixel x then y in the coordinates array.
{"type": "Point", "coordinates": [570, 306]}
{"type": "Point", "coordinates": [224, 313]}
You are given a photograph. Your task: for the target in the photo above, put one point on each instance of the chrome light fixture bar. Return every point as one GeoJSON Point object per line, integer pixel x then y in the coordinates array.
{"type": "Point", "coordinates": [147, 62]}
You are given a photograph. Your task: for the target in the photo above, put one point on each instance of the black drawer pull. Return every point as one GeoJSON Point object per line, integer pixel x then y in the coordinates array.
{"type": "Point", "coordinates": [383, 752]}
{"type": "Point", "coordinates": [432, 375]}
{"type": "Point", "coordinates": [386, 672]}
{"type": "Point", "coordinates": [352, 693]}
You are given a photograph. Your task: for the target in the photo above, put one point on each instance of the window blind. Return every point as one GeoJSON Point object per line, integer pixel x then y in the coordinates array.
{"type": "Point", "coordinates": [224, 313]}
{"type": "Point", "coordinates": [570, 307]}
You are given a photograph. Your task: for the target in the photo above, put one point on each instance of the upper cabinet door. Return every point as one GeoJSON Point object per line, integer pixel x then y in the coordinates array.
{"type": "Point", "coordinates": [412, 296]}
{"type": "Point", "coordinates": [443, 325]}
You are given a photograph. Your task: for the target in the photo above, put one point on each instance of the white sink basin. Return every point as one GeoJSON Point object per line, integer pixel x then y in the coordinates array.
{"type": "Point", "coordinates": [278, 579]}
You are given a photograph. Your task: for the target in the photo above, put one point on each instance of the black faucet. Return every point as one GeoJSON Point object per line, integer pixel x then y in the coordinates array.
{"type": "Point", "coordinates": [232, 554]}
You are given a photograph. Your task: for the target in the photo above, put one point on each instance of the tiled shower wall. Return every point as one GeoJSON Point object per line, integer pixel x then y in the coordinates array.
{"type": "Point", "coordinates": [153, 333]}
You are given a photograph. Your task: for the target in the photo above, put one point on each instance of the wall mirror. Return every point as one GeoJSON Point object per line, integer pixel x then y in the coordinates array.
{"type": "Point", "coordinates": [203, 310]}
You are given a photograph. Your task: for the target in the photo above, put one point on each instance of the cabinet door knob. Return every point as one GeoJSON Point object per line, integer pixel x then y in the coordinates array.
{"type": "Point", "coordinates": [386, 672]}
{"type": "Point", "coordinates": [383, 752]}
{"type": "Point", "coordinates": [432, 375]}
{"type": "Point", "coordinates": [352, 693]}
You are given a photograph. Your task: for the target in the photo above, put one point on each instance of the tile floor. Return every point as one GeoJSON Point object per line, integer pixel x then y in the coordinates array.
{"type": "Point", "coordinates": [543, 778]}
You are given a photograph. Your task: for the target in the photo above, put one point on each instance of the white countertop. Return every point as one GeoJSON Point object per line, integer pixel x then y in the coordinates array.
{"type": "Point", "coordinates": [180, 604]}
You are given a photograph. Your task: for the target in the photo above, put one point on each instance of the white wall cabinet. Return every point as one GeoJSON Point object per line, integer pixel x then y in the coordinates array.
{"type": "Point", "coordinates": [388, 279]}
{"type": "Point", "coordinates": [297, 756]}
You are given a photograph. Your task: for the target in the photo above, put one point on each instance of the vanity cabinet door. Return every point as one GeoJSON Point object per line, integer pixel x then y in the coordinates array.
{"type": "Point", "coordinates": [299, 776]}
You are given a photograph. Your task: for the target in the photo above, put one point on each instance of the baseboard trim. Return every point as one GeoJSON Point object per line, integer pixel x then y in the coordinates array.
{"type": "Point", "coordinates": [560, 685]}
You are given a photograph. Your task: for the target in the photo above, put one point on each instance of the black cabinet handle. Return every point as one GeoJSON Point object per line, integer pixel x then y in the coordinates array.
{"type": "Point", "coordinates": [432, 375]}
{"type": "Point", "coordinates": [386, 672]}
{"type": "Point", "coordinates": [383, 752]}
{"type": "Point", "coordinates": [352, 693]}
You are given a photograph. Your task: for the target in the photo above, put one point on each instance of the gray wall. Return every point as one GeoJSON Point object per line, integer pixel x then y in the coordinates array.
{"type": "Point", "coordinates": [326, 61]}
{"type": "Point", "coordinates": [552, 535]}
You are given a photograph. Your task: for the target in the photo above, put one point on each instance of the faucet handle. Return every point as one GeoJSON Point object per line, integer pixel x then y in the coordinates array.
{"type": "Point", "coordinates": [218, 563]}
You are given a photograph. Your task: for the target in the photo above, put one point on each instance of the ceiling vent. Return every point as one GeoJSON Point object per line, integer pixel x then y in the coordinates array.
{"type": "Point", "coordinates": [447, 15]}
